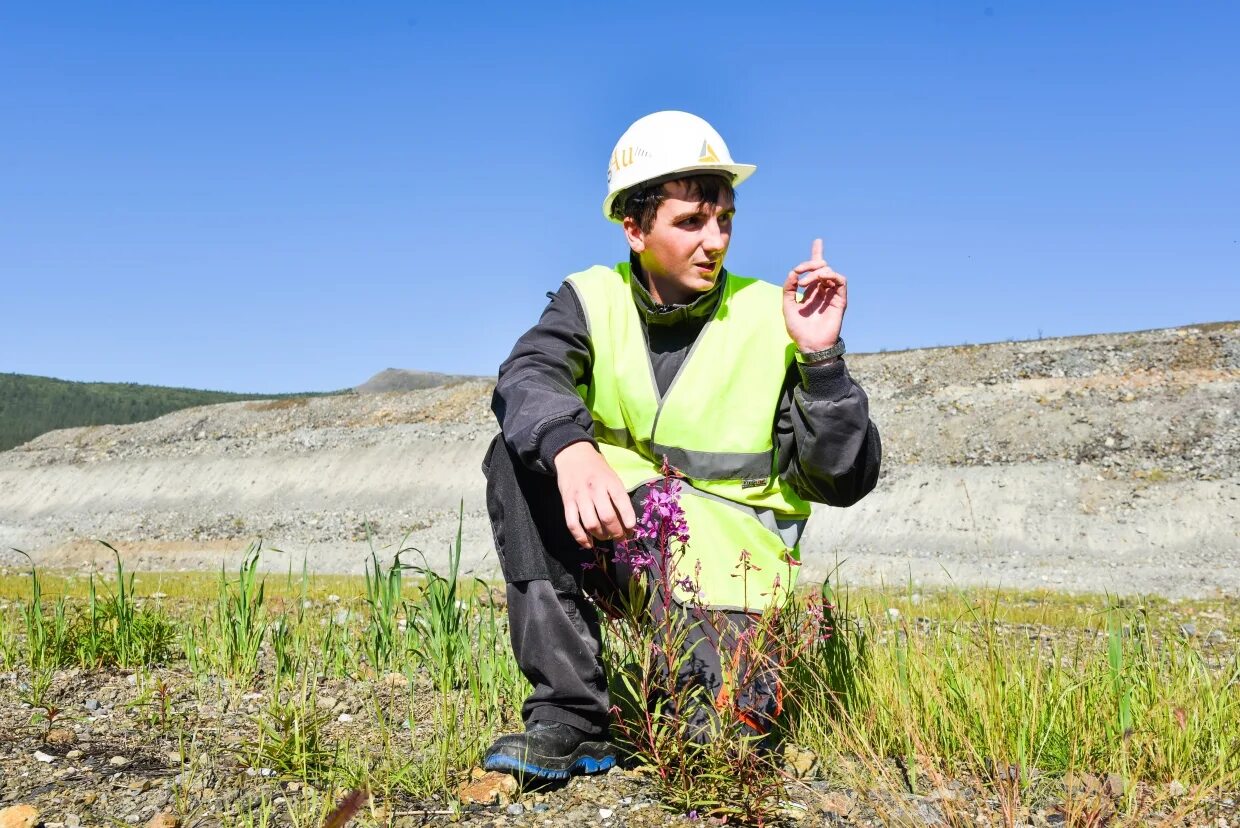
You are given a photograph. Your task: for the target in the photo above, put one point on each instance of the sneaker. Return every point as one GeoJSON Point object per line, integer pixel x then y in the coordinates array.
{"type": "Point", "coordinates": [549, 750]}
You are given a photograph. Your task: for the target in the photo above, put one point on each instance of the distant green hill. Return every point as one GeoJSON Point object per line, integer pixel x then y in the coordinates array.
{"type": "Point", "coordinates": [30, 406]}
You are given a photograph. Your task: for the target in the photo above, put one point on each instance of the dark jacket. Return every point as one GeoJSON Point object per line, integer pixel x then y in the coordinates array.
{"type": "Point", "coordinates": [827, 448]}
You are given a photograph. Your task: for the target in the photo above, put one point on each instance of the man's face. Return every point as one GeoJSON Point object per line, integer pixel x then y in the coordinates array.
{"type": "Point", "coordinates": [683, 251]}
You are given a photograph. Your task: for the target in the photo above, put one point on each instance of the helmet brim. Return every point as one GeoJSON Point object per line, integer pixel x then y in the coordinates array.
{"type": "Point", "coordinates": [738, 173]}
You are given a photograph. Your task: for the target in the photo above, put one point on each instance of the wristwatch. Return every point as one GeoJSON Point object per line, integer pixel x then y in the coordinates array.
{"type": "Point", "coordinates": [818, 356]}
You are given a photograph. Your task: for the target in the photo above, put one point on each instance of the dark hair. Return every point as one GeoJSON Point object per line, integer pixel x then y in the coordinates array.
{"type": "Point", "coordinates": [642, 204]}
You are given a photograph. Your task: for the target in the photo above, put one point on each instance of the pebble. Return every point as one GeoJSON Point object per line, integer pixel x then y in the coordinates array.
{"type": "Point", "coordinates": [1216, 637]}
{"type": "Point", "coordinates": [73, 821]}
{"type": "Point", "coordinates": [60, 736]}
{"type": "Point", "coordinates": [40, 756]}
{"type": "Point", "coordinates": [19, 816]}
{"type": "Point", "coordinates": [93, 705]}
{"type": "Point", "coordinates": [1176, 788]}
{"type": "Point", "coordinates": [1188, 630]}
{"type": "Point", "coordinates": [486, 788]}
{"type": "Point", "coordinates": [118, 761]}
{"type": "Point", "coordinates": [345, 717]}
{"type": "Point", "coordinates": [605, 813]}
{"type": "Point", "coordinates": [163, 819]}
{"type": "Point", "coordinates": [395, 680]}
{"type": "Point", "coordinates": [74, 754]}
{"type": "Point", "coordinates": [515, 809]}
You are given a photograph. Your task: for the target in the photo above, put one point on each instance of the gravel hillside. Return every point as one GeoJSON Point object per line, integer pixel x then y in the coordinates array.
{"type": "Point", "coordinates": [1107, 462]}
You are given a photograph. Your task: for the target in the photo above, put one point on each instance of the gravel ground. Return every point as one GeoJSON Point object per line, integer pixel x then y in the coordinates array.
{"type": "Point", "coordinates": [171, 751]}
{"type": "Point", "coordinates": [1107, 462]}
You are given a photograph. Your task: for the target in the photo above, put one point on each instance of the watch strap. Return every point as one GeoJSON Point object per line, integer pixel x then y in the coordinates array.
{"type": "Point", "coordinates": [835, 350]}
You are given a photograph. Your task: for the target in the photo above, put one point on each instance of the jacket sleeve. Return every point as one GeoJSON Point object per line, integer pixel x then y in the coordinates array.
{"type": "Point", "coordinates": [535, 399]}
{"type": "Point", "coordinates": [828, 449]}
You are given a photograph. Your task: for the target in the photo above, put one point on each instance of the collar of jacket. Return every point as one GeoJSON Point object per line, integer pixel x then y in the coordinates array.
{"type": "Point", "coordinates": [655, 314]}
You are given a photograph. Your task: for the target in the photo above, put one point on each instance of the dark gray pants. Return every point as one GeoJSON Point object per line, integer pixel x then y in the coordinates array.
{"type": "Point", "coordinates": [555, 628]}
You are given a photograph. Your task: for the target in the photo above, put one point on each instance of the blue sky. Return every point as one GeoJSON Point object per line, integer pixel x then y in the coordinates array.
{"type": "Point", "coordinates": [280, 197]}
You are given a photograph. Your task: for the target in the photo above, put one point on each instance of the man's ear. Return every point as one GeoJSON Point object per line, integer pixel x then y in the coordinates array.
{"type": "Point", "coordinates": [633, 232]}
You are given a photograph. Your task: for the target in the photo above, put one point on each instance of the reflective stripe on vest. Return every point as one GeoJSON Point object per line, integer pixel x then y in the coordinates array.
{"type": "Point", "coordinates": [715, 424]}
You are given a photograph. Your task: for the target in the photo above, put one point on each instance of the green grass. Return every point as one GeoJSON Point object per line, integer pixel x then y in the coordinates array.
{"type": "Point", "coordinates": [1025, 694]}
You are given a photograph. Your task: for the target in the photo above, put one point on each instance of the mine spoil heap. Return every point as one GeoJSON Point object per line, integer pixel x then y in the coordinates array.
{"type": "Point", "coordinates": [1104, 462]}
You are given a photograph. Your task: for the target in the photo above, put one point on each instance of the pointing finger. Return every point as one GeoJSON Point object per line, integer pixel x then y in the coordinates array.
{"type": "Point", "coordinates": [816, 250]}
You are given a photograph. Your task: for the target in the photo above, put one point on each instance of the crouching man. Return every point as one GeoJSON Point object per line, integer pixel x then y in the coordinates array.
{"type": "Point", "coordinates": [743, 388]}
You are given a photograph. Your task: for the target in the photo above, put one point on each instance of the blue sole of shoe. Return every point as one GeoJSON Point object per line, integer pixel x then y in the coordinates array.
{"type": "Point", "coordinates": [583, 764]}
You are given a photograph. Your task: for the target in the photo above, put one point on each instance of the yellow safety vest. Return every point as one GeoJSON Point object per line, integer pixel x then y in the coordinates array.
{"type": "Point", "coordinates": [715, 424]}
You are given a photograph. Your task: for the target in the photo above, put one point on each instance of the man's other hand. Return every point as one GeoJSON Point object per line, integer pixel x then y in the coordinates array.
{"type": "Point", "coordinates": [814, 319]}
{"type": "Point", "coordinates": [596, 504]}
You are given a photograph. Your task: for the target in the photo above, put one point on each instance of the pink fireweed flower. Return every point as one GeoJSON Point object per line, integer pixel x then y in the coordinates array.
{"type": "Point", "coordinates": [662, 516]}
{"type": "Point", "coordinates": [634, 554]}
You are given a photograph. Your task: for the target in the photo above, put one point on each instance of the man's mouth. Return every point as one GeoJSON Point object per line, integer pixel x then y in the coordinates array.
{"type": "Point", "coordinates": [705, 267]}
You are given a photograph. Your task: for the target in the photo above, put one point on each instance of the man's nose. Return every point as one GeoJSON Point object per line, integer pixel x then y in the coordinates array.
{"type": "Point", "coordinates": [713, 237]}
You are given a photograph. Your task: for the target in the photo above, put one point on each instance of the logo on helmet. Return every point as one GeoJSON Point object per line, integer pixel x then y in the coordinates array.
{"type": "Point", "coordinates": [621, 158]}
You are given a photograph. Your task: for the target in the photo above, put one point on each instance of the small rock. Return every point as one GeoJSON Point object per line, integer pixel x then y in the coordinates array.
{"type": "Point", "coordinates": [395, 680]}
{"type": "Point", "coordinates": [605, 813]}
{"type": "Point", "coordinates": [345, 717]}
{"type": "Point", "coordinates": [40, 756]}
{"type": "Point", "coordinates": [73, 821]}
{"type": "Point", "coordinates": [174, 758]}
{"type": "Point", "coordinates": [837, 804]}
{"type": "Point", "coordinates": [1114, 785]}
{"type": "Point", "coordinates": [1176, 788]}
{"type": "Point", "coordinates": [90, 798]}
{"type": "Point", "coordinates": [60, 736]}
{"type": "Point", "coordinates": [132, 679]}
{"type": "Point", "coordinates": [929, 813]}
{"type": "Point", "coordinates": [1216, 637]}
{"type": "Point", "coordinates": [74, 754]}
{"type": "Point", "coordinates": [164, 819]}
{"type": "Point", "coordinates": [1188, 630]}
{"type": "Point", "coordinates": [118, 761]}
{"type": "Point", "coordinates": [487, 789]}
{"type": "Point", "coordinates": [324, 702]}
{"type": "Point", "coordinates": [93, 705]}
{"type": "Point", "coordinates": [893, 613]}
{"type": "Point", "coordinates": [799, 762]}
{"type": "Point", "coordinates": [515, 809]}
{"type": "Point", "coordinates": [19, 816]}
{"type": "Point", "coordinates": [333, 599]}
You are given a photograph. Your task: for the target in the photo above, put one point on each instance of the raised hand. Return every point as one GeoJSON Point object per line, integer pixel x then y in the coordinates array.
{"type": "Point", "coordinates": [814, 319]}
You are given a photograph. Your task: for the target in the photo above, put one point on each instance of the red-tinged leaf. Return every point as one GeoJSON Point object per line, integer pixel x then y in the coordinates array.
{"type": "Point", "coordinates": [1181, 718]}
{"type": "Point", "coordinates": [346, 810]}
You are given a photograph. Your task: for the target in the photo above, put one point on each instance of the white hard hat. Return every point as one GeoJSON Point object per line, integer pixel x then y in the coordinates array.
{"type": "Point", "coordinates": [663, 144]}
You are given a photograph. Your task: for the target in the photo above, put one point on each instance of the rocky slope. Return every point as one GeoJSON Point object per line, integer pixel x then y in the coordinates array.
{"type": "Point", "coordinates": [1107, 462]}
